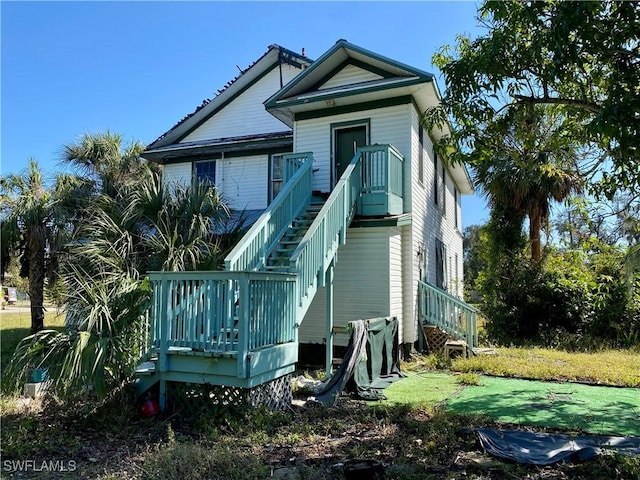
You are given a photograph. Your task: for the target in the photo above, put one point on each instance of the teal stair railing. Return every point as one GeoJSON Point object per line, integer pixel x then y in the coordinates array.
{"type": "Point", "coordinates": [443, 310]}
{"type": "Point", "coordinates": [254, 247]}
{"type": "Point", "coordinates": [376, 168]}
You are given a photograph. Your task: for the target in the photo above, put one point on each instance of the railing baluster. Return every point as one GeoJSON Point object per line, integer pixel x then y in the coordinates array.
{"type": "Point", "coordinates": [447, 312]}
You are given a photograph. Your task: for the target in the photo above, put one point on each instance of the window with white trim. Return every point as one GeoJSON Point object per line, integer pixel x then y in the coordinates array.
{"type": "Point", "coordinates": [276, 176]}
{"type": "Point", "coordinates": [441, 264]}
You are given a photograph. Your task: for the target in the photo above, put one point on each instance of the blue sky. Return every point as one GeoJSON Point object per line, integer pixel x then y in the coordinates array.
{"type": "Point", "coordinates": [136, 68]}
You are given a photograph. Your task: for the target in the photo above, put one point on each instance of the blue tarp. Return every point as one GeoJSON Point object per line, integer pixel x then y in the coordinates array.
{"type": "Point", "coordinates": [547, 449]}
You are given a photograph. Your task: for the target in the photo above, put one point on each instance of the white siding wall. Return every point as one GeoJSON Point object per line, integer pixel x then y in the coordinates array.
{"type": "Point", "coordinates": [349, 75]}
{"type": "Point", "coordinates": [395, 277]}
{"type": "Point", "coordinates": [363, 284]}
{"type": "Point", "coordinates": [243, 181]}
{"type": "Point", "coordinates": [428, 221]}
{"type": "Point", "coordinates": [246, 114]}
{"type": "Point", "coordinates": [177, 173]}
{"type": "Point", "coordinates": [387, 125]}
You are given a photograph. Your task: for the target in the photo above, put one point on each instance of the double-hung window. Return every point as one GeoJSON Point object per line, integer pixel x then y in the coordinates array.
{"type": "Point", "coordinates": [205, 172]}
{"type": "Point", "coordinates": [441, 265]}
{"type": "Point", "coordinates": [276, 176]}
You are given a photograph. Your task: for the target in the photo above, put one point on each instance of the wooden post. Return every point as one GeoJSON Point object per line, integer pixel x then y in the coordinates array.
{"type": "Point", "coordinates": [329, 332]}
{"type": "Point", "coordinates": [243, 325]}
{"type": "Point", "coordinates": [163, 318]}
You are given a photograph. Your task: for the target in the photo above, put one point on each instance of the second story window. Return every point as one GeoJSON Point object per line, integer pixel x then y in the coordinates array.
{"type": "Point", "coordinates": [205, 171]}
{"type": "Point", "coordinates": [455, 207]}
{"type": "Point", "coordinates": [275, 176]}
{"type": "Point", "coordinates": [443, 190]}
{"type": "Point", "coordinates": [436, 183]}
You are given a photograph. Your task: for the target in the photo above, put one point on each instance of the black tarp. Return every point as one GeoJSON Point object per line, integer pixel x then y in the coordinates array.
{"type": "Point", "coordinates": [547, 449]}
{"type": "Point", "coordinates": [371, 363]}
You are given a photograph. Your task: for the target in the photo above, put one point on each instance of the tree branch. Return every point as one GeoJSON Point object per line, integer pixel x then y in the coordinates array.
{"type": "Point", "coordinates": [592, 107]}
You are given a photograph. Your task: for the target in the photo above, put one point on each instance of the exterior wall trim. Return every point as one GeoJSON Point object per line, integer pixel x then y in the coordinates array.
{"type": "Point", "coordinates": [356, 107]}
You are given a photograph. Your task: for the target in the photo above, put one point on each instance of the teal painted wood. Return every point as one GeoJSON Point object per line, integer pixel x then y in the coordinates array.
{"type": "Point", "coordinates": [222, 313]}
{"type": "Point", "coordinates": [318, 247]}
{"type": "Point", "coordinates": [255, 246]}
{"type": "Point", "coordinates": [374, 169]}
{"type": "Point", "coordinates": [382, 182]}
{"type": "Point", "coordinates": [244, 316]}
{"type": "Point", "coordinates": [457, 318]}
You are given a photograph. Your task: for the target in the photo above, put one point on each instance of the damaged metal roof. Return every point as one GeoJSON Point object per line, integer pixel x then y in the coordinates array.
{"type": "Point", "coordinates": [274, 54]}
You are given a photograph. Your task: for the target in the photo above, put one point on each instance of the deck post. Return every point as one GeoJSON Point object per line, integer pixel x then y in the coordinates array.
{"type": "Point", "coordinates": [329, 332]}
{"type": "Point", "coordinates": [165, 306]}
{"type": "Point", "coordinates": [244, 316]}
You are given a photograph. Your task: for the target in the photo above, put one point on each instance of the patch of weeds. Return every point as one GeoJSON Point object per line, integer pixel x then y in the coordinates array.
{"type": "Point", "coordinates": [195, 461]}
{"type": "Point", "coordinates": [608, 367]}
{"type": "Point", "coordinates": [468, 378]}
{"type": "Point", "coordinates": [420, 363]}
{"type": "Point", "coordinates": [405, 471]}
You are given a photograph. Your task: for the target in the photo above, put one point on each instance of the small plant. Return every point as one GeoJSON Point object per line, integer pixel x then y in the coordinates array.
{"type": "Point", "coordinates": [468, 378]}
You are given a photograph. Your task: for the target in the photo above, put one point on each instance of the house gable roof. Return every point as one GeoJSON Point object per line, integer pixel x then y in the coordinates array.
{"type": "Point", "coordinates": [275, 55]}
{"type": "Point", "coordinates": [317, 84]}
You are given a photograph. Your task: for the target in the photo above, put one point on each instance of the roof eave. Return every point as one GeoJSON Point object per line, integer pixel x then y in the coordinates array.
{"type": "Point", "coordinates": [281, 94]}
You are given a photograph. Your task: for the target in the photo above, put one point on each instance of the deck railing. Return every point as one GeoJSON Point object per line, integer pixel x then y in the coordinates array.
{"type": "Point", "coordinates": [240, 310]}
{"type": "Point", "coordinates": [254, 247]}
{"type": "Point", "coordinates": [223, 313]}
{"type": "Point", "coordinates": [382, 169]}
{"type": "Point", "coordinates": [457, 318]}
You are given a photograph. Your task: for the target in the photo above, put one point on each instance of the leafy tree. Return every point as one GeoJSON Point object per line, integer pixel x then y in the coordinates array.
{"type": "Point", "coordinates": [475, 254]}
{"type": "Point", "coordinates": [581, 58]}
{"type": "Point", "coordinates": [34, 218]}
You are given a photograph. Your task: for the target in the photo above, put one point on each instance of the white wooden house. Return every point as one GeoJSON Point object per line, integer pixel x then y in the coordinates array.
{"type": "Point", "coordinates": [355, 216]}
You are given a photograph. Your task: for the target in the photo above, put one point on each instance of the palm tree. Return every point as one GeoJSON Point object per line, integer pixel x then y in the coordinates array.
{"type": "Point", "coordinates": [33, 216]}
{"type": "Point", "coordinates": [106, 163]}
{"type": "Point", "coordinates": [526, 169]}
{"type": "Point", "coordinates": [133, 227]}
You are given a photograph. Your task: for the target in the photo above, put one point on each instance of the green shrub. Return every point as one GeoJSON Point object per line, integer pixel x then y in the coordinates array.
{"type": "Point", "coordinates": [578, 299]}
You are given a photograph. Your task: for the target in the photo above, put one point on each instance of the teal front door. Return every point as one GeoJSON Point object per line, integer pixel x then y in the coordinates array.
{"type": "Point", "coordinates": [347, 140]}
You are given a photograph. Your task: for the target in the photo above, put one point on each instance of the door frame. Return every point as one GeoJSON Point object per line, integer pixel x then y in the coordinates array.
{"type": "Point", "coordinates": [335, 128]}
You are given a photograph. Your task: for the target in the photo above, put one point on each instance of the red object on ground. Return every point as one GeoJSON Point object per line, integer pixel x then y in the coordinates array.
{"type": "Point", "coordinates": [150, 408]}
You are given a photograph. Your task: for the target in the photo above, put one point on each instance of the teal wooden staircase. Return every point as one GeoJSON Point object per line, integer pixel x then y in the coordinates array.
{"type": "Point", "coordinates": [239, 327]}
{"type": "Point", "coordinates": [439, 309]}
